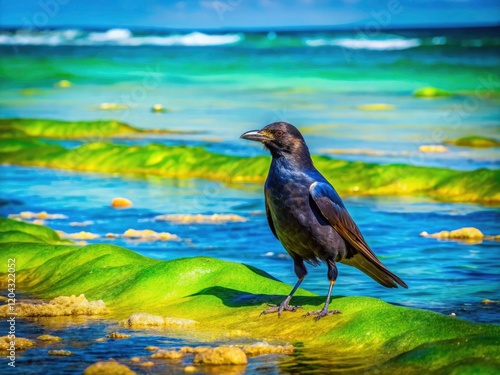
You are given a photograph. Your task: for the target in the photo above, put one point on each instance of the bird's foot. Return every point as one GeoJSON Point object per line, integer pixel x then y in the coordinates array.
{"type": "Point", "coordinates": [321, 313]}
{"type": "Point", "coordinates": [284, 306]}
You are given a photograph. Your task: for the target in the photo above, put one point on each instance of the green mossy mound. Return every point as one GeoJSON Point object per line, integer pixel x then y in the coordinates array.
{"type": "Point", "coordinates": [12, 230]}
{"type": "Point", "coordinates": [55, 129]}
{"type": "Point", "coordinates": [349, 178]}
{"type": "Point", "coordinates": [474, 141]}
{"type": "Point", "coordinates": [226, 299]}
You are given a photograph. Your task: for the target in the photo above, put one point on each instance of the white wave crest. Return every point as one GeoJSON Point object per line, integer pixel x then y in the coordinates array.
{"type": "Point", "coordinates": [370, 44]}
{"type": "Point", "coordinates": [121, 37]}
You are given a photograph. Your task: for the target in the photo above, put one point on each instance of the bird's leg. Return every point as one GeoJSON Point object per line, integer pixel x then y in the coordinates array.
{"type": "Point", "coordinates": [284, 306]}
{"type": "Point", "coordinates": [301, 272]}
{"type": "Point", "coordinates": [332, 276]}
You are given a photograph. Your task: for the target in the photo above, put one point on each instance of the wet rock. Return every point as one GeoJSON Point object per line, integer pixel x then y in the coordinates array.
{"type": "Point", "coordinates": [108, 368]}
{"type": "Point", "coordinates": [148, 234]}
{"type": "Point", "coordinates": [432, 148]}
{"type": "Point", "coordinates": [221, 356]}
{"type": "Point", "coordinates": [199, 218]}
{"type": "Point", "coordinates": [59, 306]}
{"type": "Point", "coordinates": [135, 359]}
{"type": "Point", "coordinates": [167, 354]}
{"type": "Point", "coordinates": [147, 364]}
{"type": "Point", "coordinates": [20, 343]}
{"type": "Point", "coordinates": [376, 107]}
{"type": "Point", "coordinates": [61, 353]}
{"type": "Point", "coordinates": [190, 369]}
{"type": "Point", "coordinates": [48, 338]}
{"type": "Point", "coordinates": [118, 335]}
{"type": "Point", "coordinates": [121, 202]}
{"type": "Point", "coordinates": [148, 320]}
{"type": "Point", "coordinates": [151, 348]}
{"type": "Point", "coordinates": [261, 348]}
{"type": "Point", "coordinates": [197, 349]}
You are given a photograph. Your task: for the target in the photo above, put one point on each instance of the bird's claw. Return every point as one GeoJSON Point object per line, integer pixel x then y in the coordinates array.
{"type": "Point", "coordinates": [321, 313]}
{"type": "Point", "coordinates": [279, 309]}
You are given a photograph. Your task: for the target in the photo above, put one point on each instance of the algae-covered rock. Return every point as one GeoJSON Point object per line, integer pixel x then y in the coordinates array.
{"type": "Point", "coordinates": [108, 368]}
{"type": "Point", "coordinates": [118, 336]}
{"type": "Point", "coordinates": [167, 354]}
{"type": "Point", "coordinates": [20, 343]}
{"type": "Point", "coordinates": [24, 232]}
{"type": "Point", "coordinates": [59, 306]}
{"type": "Point", "coordinates": [474, 141]}
{"type": "Point", "coordinates": [261, 348]}
{"type": "Point", "coordinates": [195, 162]}
{"type": "Point", "coordinates": [431, 92]}
{"type": "Point", "coordinates": [221, 356]}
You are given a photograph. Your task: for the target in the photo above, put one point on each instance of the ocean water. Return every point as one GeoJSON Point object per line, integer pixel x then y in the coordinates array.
{"type": "Point", "coordinates": [222, 84]}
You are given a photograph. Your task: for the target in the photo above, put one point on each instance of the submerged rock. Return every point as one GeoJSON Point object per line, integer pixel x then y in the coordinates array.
{"type": "Point", "coordinates": [108, 368]}
{"type": "Point", "coordinates": [199, 218]}
{"type": "Point", "coordinates": [49, 338]}
{"type": "Point", "coordinates": [376, 107]}
{"type": "Point", "coordinates": [432, 148]}
{"type": "Point", "coordinates": [221, 356]}
{"type": "Point", "coordinates": [121, 202]}
{"type": "Point", "coordinates": [118, 335]}
{"type": "Point", "coordinates": [61, 353]}
{"type": "Point", "coordinates": [59, 306]}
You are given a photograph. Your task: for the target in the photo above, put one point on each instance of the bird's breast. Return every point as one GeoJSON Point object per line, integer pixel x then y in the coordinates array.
{"type": "Point", "coordinates": [300, 229]}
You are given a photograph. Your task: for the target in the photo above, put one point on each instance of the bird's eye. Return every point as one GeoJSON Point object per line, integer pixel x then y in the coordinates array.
{"type": "Point", "coordinates": [279, 133]}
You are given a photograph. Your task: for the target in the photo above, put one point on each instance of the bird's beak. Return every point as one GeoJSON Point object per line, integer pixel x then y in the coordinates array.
{"type": "Point", "coordinates": [256, 135]}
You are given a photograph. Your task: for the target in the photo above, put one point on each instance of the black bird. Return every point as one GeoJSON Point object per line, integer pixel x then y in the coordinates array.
{"type": "Point", "coordinates": [308, 217]}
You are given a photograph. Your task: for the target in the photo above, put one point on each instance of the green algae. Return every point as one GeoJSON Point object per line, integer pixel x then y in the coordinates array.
{"type": "Point", "coordinates": [431, 92]}
{"type": "Point", "coordinates": [56, 129]}
{"type": "Point", "coordinates": [24, 232]}
{"type": "Point", "coordinates": [349, 178]}
{"type": "Point", "coordinates": [226, 299]}
{"type": "Point", "coordinates": [474, 141]}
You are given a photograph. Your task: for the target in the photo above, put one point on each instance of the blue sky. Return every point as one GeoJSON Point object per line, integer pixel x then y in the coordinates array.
{"type": "Point", "coordinates": [200, 14]}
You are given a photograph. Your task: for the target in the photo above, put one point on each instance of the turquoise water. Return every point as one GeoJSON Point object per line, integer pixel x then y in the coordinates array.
{"type": "Point", "coordinates": [220, 85]}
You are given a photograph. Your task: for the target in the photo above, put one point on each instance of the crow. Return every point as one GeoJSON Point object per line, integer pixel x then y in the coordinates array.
{"type": "Point", "coordinates": [308, 217]}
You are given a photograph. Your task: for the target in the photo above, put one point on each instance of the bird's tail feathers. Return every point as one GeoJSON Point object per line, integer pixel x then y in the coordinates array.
{"type": "Point", "coordinates": [376, 271]}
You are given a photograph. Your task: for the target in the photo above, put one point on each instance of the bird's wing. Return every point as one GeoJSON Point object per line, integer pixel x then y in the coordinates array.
{"type": "Point", "coordinates": [331, 207]}
{"type": "Point", "coordinates": [270, 220]}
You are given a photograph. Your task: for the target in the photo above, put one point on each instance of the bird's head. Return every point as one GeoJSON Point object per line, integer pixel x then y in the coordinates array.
{"type": "Point", "coordinates": [281, 139]}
